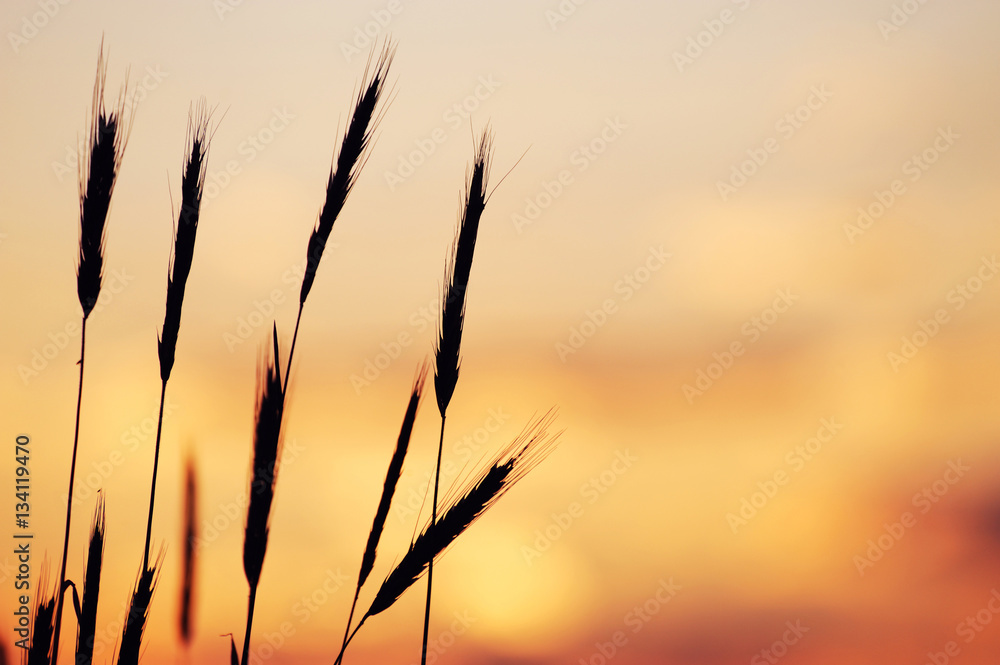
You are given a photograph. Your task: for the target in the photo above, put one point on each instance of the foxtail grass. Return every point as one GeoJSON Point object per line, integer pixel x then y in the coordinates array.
{"type": "Point", "coordinates": [102, 157]}
{"type": "Point", "coordinates": [185, 619]}
{"type": "Point", "coordinates": [87, 624]}
{"type": "Point", "coordinates": [138, 615]}
{"type": "Point", "coordinates": [192, 188]}
{"type": "Point", "coordinates": [447, 352]}
{"type": "Point", "coordinates": [264, 476]}
{"type": "Point", "coordinates": [388, 490]}
{"type": "Point", "coordinates": [461, 510]}
{"type": "Point", "coordinates": [350, 159]}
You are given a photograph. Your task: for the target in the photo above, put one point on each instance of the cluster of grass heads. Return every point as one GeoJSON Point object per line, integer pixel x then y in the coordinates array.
{"type": "Point", "coordinates": [450, 517]}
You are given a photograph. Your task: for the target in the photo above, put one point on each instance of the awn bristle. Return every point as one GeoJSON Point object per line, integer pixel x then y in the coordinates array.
{"type": "Point", "coordinates": [102, 158]}
{"type": "Point", "coordinates": [351, 158]}
{"type": "Point", "coordinates": [459, 266]}
{"type": "Point", "coordinates": [87, 627]}
{"type": "Point", "coordinates": [138, 614]}
{"type": "Point", "coordinates": [192, 188]}
{"type": "Point", "coordinates": [466, 506]}
{"type": "Point", "coordinates": [42, 629]}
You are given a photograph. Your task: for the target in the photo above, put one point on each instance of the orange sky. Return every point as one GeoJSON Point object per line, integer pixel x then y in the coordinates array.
{"type": "Point", "coordinates": [750, 254]}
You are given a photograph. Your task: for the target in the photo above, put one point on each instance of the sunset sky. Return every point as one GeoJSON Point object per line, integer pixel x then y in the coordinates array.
{"type": "Point", "coordinates": [748, 249]}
